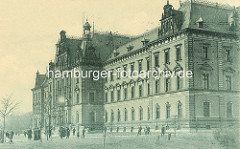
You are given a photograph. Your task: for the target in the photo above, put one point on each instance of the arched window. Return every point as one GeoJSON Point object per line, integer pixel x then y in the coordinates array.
{"type": "Point", "coordinates": [229, 109]}
{"type": "Point", "coordinates": [77, 117]}
{"type": "Point", "coordinates": [149, 114]}
{"type": "Point", "coordinates": [112, 116]}
{"type": "Point", "coordinates": [125, 114]}
{"type": "Point", "coordinates": [140, 113]}
{"type": "Point", "coordinates": [179, 109]}
{"type": "Point", "coordinates": [168, 106]}
{"type": "Point", "coordinates": [119, 116]}
{"type": "Point", "coordinates": [133, 114]}
{"type": "Point", "coordinates": [106, 116]}
{"type": "Point", "coordinates": [157, 111]}
{"type": "Point", "coordinates": [206, 109]}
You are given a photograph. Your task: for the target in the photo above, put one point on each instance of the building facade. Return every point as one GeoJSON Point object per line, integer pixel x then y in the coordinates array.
{"type": "Point", "coordinates": [200, 40]}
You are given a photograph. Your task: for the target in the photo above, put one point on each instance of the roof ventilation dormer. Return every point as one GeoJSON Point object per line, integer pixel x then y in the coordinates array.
{"type": "Point", "coordinates": [200, 22]}
{"type": "Point", "coordinates": [130, 47]}
{"type": "Point", "coordinates": [115, 53]}
{"type": "Point", "coordinates": [145, 41]}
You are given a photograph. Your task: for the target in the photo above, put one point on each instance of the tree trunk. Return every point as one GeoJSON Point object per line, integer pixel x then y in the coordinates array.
{"type": "Point", "coordinates": [3, 132]}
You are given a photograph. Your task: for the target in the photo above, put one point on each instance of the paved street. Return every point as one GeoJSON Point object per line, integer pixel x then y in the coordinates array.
{"type": "Point", "coordinates": [119, 140]}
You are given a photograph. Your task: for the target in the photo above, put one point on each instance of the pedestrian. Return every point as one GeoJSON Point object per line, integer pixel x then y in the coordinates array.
{"type": "Point", "coordinates": [29, 133]}
{"type": "Point", "coordinates": [83, 132]}
{"type": "Point", "coordinates": [40, 134]}
{"type": "Point", "coordinates": [148, 130]}
{"type": "Point", "coordinates": [139, 130]}
{"type": "Point", "coordinates": [68, 132]}
{"type": "Point", "coordinates": [25, 133]}
{"type": "Point", "coordinates": [169, 136]}
{"type": "Point", "coordinates": [74, 131]}
{"type": "Point", "coordinates": [162, 130]}
{"type": "Point", "coordinates": [11, 136]}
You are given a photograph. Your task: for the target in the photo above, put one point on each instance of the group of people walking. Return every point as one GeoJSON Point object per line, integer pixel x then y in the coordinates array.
{"type": "Point", "coordinates": [65, 132]}
{"type": "Point", "coordinates": [146, 130]}
{"type": "Point", "coordinates": [10, 135]}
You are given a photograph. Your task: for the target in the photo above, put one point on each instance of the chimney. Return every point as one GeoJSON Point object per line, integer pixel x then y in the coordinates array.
{"type": "Point", "coordinates": [62, 35]}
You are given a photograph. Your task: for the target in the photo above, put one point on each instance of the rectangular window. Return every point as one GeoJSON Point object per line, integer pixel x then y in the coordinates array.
{"type": "Point", "coordinates": [118, 72]}
{"type": "Point", "coordinates": [148, 64]}
{"type": "Point", "coordinates": [156, 60]}
{"type": "Point", "coordinates": [91, 98]}
{"type": "Point", "coordinates": [112, 96]}
{"type": "Point", "coordinates": [205, 52]}
{"type": "Point", "coordinates": [106, 97]}
{"type": "Point", "coordinates": [166, 57]}
{"type": "Point", "coordinates": [77, 98]}
{"type": "Point", "coordinates": [157, 86]}
{"type": "Point", "coordinates": [125, 93]}
{"type": "Point", "coordinates": [132, 92]}
{"type": "Point", "coordinates": [179, 83]}
{"type": "Point", "coordinates": [206, 81]}
{"type": "Point", "coordinates": [132, 68]}
{"type": "Point", "coordinates": [125, 70]}
{"type": "Point", "coordinates": [148, 89]}
{"type": "Point", "coordinates": [178, 53]}
{"type": "Point", "coordinates": [229, 110]}
{"type": "Point", "coordinates": [139, 66]}
{"type": "Point", "coordinates": [229, 82]}
{"type": "Point", "coordinates": [111, 75]}
{"type": "Point", "coordinates": [140, 90]}
{"type": "Point", "coordinates": [118, 95]}
{"type": "Point", "coordinates": [77, 80]}
{"type": "Point", "coordinates": [229, 58]}
{"type": "Point", "coordinates": [206, 109]}
{"type": "Point", "coordinates": [167, 85]}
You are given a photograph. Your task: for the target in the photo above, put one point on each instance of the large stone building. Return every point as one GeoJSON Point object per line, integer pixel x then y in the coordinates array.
{"type": "Point", "coordinates": [199, 37]}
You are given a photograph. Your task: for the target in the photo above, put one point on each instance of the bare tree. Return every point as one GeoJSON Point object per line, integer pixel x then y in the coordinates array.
{"type": "Point", "coordinates": [7, 106]}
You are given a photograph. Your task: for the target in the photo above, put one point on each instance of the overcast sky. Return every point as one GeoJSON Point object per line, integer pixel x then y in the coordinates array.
{"type": "Point", "coordinates": [29, 30]}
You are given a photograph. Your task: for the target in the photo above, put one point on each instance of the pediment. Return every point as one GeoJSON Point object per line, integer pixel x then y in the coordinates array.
{"type": "Point", "coordinates": [206, 67]}
{"type": "Point", "coordinates": [229, 69]}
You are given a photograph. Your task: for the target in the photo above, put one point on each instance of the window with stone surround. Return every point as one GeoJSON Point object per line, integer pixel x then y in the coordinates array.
{"type": "Point", "coordinates": [140, 90]}
{"type": "Point", "coordinates": [133, 114]}
{"type": "Point", "coordinates": [228, 82]}
{"type": "Point", "coordinates": [106, 97]}
{"type": "Point", "coordinates": [140, 113]}
{"type": "Point", "coordinates": [229, 110]}
{"type": "Point", "coordinates": [149, 114]}
{"type": "Point", "coordinates": [119, 116]}
{"type": "Point", "coordinates": [119, 95]}
{"type": "Point", "coordinates": [157, 111]}
{"type": "Point", "coordinates": [206, 109]}
{"type": "Point", "coordinates": [112, 96]}
{"type": "Point", "coordinates": [206, 81]}
{"type": "Point", "coordinates": [125, 115]}
{"type": "Point", "coordinates": [106, 116]}
{"type": "Point", "coordinates": [156, 59]}
{"type": "Point", "coordinates": [157, 84]}
{"type": "Point", "coordinates": [179, 109]}
{"type": "Point", "coordinates": [112, 116]}
{"type": "Point", "coordinates": [168, 110]}
{"type": "Point", "coordinates": [132, 92]}
{"type": "Point", "coordinates": [125, 93]}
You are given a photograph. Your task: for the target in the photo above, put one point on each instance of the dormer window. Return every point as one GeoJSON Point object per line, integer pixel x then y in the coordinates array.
{"type": "Point", "coordinates": [116, 53]}
{"type": "Point", "coordinates": [200, 22]}
{"type": "Point", "coordinates": [145, 41]}
{"type": "Point", "coordinates": [130, 47]}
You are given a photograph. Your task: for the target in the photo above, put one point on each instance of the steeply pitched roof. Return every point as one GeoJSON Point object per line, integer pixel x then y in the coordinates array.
{"type": "Point", "coordinates": [136, 44]}
{"type": "Point", "coordinates": [214, 17]}
{"type": "Point", "coordinates": [39, 80]}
